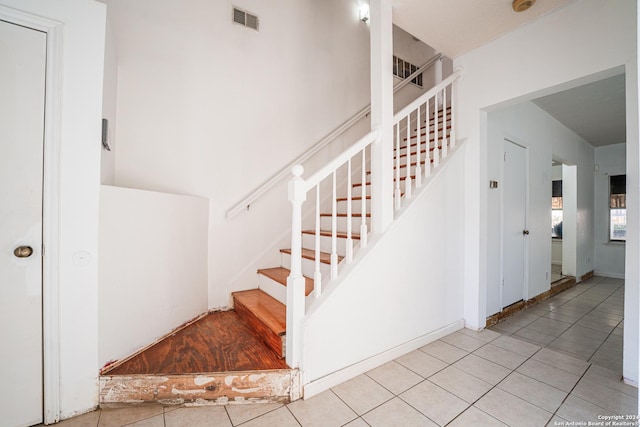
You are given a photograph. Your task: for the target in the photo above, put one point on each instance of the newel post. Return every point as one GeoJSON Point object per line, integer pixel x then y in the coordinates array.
{"type": "Point", "coordinates": [295, 281]}
{"type": "Point", "coordinates": [381, 34]}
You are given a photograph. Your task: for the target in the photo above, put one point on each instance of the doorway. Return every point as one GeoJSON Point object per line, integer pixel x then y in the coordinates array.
{"type": "Point", "coordinates": [22, 112]}
{"type": "Point", "coordinates": [514, 233]}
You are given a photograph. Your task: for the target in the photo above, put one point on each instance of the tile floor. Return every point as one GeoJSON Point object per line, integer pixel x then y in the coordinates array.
{"type": "Point", "coordinates": [559, 361]}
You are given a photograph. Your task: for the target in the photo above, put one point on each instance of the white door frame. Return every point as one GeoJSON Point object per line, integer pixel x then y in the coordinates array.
{"type": "Point", "coordinates": [511, 139]}
{"type": "Point", "coordinates": [50, 238]}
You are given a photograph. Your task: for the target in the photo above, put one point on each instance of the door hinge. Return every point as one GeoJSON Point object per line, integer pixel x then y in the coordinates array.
{"type": "Point", "coordinates": [504, 157]}
{"type": "Point", "coordinates": [42, 251]}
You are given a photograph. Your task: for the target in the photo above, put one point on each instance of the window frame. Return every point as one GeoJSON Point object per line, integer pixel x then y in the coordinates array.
{"type": "Point", "coordinates": [612, 208]}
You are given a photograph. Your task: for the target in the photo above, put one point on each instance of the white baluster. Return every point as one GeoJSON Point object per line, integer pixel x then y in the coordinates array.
{"type": "Point", "coordinates": [407, 182]}
{"type": "Point", "coordinates": [349, 249]}
{"type": "Point", "coordinates": [436, 150]}
{"type": "Point", "coordinates": [334, 226]}
{"type": "Point", "coordinates": [427, 156]}
{"type": "Point", "coordinates": [454, 94]}
{"type": "Point", "coordinates": [445, 149]}
{"type": "Point", "coordinates": [397, 193]}
{"type": "Point", "coordinates": [419, 142]}
{"type": "Point", "coordinates": [363, 193]}
{"type": "Point", "coordinates": [317, 275]}
{"type": "Point", "coordinates": [295, 282]}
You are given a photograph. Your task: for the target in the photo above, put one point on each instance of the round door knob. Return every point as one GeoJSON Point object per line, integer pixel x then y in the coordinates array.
{"type": "Point", "coordinates": [23, 251]}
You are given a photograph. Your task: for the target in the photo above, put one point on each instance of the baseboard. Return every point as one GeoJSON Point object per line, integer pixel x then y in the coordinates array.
{"type": "Point", "coordinates": [325, 383]}
{"type": "Point", "coordinates": [609, 275]}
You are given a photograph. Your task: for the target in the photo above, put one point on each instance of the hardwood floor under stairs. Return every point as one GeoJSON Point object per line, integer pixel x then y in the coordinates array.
{"type": "Point", "coordinates": [238, 355]}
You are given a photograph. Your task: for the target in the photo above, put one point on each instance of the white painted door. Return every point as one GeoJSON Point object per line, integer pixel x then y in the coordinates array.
{"type": "Point", "coordinates": [514, 223]}
{"type": "Point", "coordinates": [22, 89]}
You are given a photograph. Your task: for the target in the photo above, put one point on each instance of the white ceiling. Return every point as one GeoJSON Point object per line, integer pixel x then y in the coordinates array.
{"type": "Point", "coordinates": [595, 111]}
{"type": "Point", "coordinates": [455, 27]}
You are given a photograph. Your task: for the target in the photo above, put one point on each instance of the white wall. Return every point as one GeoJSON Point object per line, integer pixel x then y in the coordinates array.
{"type": "Point", "coordinates": [407, 285]}
{"type": "Point", "coordinates": [518, 67]}
{"type": "Point", "coordinates": [417, 53]}
{"type": "Point", "coordinates": [153, 267]}
{"type": "Point", "coordinates": [545, 139]}
{"type": "Point", "coordinates": [109, 103]}
{"type": "Point", "coordinates": [209, 108]}
{"type": "Point", "coordinates": [609, 256]}
{"type": "Point", "coordinates": [79, 176]}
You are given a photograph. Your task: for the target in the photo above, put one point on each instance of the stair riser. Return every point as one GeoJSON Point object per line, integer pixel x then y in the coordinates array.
{"type": "Point", "coordinates": [308, 266]}
{"type": "Point", "coordinates": [275, 342]}
{"type": "Point", "coordinates": [273, 288]}
{"type": "Point", "coordinates": [277, 290]}
{"type": "Point", "coordinates": [308, 241]}
{"type": "Point", "coordinates": [356, 206]}
{"type": "Point", "coordinates": [341, 222]}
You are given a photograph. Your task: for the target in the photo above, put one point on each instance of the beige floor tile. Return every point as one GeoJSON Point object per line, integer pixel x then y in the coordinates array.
{"type": "Point", "coordinates": [483, 369]}
{"type": "Point", "coordinates": [576, 409]}
{"type": "Point", "coordinates": [395, 377]}
{"type": "Point", "coordinates": [421, 363]}
{"type": "Point", "coordinates": [436, 403]}
{"type": "Point", "coordinates": [549, 375]}
{"type": "Point", "coordinates": [475, 417]}
{"type": "Point", "coordinates": [564, 317]}
{"type": "Point", "coordinates": [501, 356]}
{"type": "Point", "coordinates": [280, 417]}
{"type": "Point", "coordinates": [515, 345]}
{"type": "Point", "coordinates": [358, 422]}
{"type": "Point", "coordinates": [323, 410]}
{"type": "Point", "coordinates": [446, 352]}
{"type": "Point", "coordinates": [362, 394]}
{"type": "Point", "coordinates": [394, 413]}
{"type": "Point", "coordinates": [612, 400]}
{"type": "Point", "coordinates": [549, 326]}
{"type": "Point", "coordinates": [577, 333]}
{"type": "Point", "coordinates": [557, 421]}
{"type": "Point", "coordinates": [198, 416]}
{"type": "Point", "coordinates": [610, 379]}
{"type": "Point", "coordinates": [534, 336]}
{"type": "Point", "coordinates": [577, 349]}
{"type": "Point", "coordinates": [485, 335]}
{"type": "Point", "coordinates": [460, 383]}
{"type": "Point", "coordinates": [463, 341]}
{"type": "Point", "coordinates": [535, 392]}
{"type": "Point", "coordinates": [118, 417]}
{"type": "Point", "coordinates": [85, 420]}
{"type": "Point", "coordinates": [243, 413]}
{"type": "Point", "coordinates": [506, 327]}
{"type": "Point", "coordinates": [512, 410]}
{"type": "Point", "coordinates": [561, 361]}
{"type": "Point", "coordinates": [157, 421]}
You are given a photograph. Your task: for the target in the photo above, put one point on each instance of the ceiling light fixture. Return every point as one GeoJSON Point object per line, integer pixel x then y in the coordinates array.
{"type": "Point", "coordinates": [522, 5]}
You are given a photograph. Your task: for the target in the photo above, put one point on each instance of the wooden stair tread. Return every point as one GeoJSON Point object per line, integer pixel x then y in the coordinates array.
{"type": "Point", "coordinates": [344, 199]}
{"type": "Point", "coordinates": [266, 308]}
{"type": "Point", "coordinates": [344, 215]}
{"type": "Point", "coordinates": [325, 257]}
{"type": "Point", "coordinates": [402, 178]}
{"type": "Point", "coordinates": [280, 275]}
{"type": "Point", "coordinates": [327, 233]}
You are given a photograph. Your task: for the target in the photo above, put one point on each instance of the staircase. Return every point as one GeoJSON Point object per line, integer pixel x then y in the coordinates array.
{"type": "Point", "coordinates": [239, 355]}
{"type": "Point", "coordinates": [264, 308]}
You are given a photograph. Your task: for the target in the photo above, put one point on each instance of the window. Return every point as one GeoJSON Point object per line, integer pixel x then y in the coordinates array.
{"type": "Point", "coordinates": [403, 69]}
{"type": "Point", "coordinates": [556, 209]}
{"type": "Point", "coordinates": [618, 207]}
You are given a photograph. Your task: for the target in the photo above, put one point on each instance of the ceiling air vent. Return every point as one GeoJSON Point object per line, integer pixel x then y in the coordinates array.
{"type": "Point", "coordinates": [245, 18]}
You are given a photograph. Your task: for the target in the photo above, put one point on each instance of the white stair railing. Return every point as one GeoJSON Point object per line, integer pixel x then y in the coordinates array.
{"type": "Point", "coordinates": [429, 115]}
{"type": "Point", "coordinates": [432, 110]}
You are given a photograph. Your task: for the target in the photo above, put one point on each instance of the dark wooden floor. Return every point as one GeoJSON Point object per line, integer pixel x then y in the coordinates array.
{"type": "Point", "coordinates": [218, 342]}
